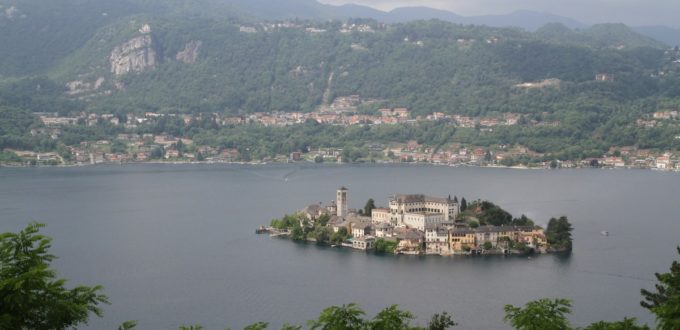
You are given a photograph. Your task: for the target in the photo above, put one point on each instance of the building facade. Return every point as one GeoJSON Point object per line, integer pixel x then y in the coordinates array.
{"type": "Point", "coordinates": [341, 202]}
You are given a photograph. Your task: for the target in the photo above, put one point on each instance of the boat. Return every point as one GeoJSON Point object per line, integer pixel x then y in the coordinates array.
{"type": "Point", "coordinates": [604, 233]}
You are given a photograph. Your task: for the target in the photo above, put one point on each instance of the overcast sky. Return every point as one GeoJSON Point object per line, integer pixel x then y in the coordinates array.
{"type": "Point", "coordinates": [631, 12]}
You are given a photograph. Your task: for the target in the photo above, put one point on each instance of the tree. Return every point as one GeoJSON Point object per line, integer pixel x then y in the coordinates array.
{"type": "Point", "coordinates": [384, 246]}
{"type": "Point", "coordinates": [257, 326]}
{"type": "Point", "coordinates": [323, 219]}
{"type": "Point", "coordinates": [626, 324]}
{"type": "Point", "coordinates": [665, 302]}
{"type": "Point", "coordinates": [156, 153]}
{"type": "Point", "coordinates": [339, 236]}
{"type": "Point", "coordinates": [298, 234]}
{"type": "Point", "coordinates": [32, 296]}
{"type": "Point", "coordinates": [487, 245]}
{"type": "Point", "coordinates": [543, 314]}
{"type": "Point", "coordinates": [322, 234]}
{"type": "Point", "coordinates": [463, 204]}
{"type": "Point", "coordinates": [128, 325]}
{"type": "Point", "coordinates": [558, 233]}
{"type": "Point", "coordinates": [391, 318]}
{"type": "Point", "coordinates": [368, 208]}
{"type": "Point", "coordinates": [441, 321]}
{"type": "Point", "coordinates": [345, 317]}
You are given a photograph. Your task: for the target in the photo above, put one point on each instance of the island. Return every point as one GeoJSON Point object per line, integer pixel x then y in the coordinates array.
{"type": "Point", "coordinates": [417, 224]}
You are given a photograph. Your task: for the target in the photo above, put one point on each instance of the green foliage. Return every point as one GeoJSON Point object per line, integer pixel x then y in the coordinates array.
{"type": "Point", "coordinates": [128, 325]}
{"type": "Point", "coordinates": [340, 236]}
{"type": "Point", "coordinates": [257, 326]}
{"type": "Point", "coordinates": [558, 233]}
{"type": "Point", "coordinates": [323, 219]}
{"type": "Point", "coordinates": [487, 245]}
{"type": "Point", "coordinates": [626, 324]}
{"type": "Point", "coordinates": [322, 234]}
{"type": "Point", "coordinates": [391, 318]}
{"type": "Point", "coordinates": [191, 327]}
{"type": "Point", "coordinates": [491, 214]}
{"type": "Point", "coordinates": [384, 246]}
{"type": "Point", "coordinates": [118, 147]}
{"type": "Point", "coordinates": [368, 208]}
{"type": "Point", "coordinates": [9, 157]}
{"type": "Point", "coordinates": [345, 317]}
{"type": "Point", "coordinates": [522, 221]}
{"type": "Point", "coordinates": [441, 321]}
{"type": "Point", "coordinates": [32, 296]}
{"type": "Point", "coordinates": [543, 314]}
{"type": "Point", "coordinates": [287, 222]}
{"type": "Point", "coordinates": [463, 204]}
{"type": "Point", "coordinates": [298, 233]}
{"type": "Point", "coordinates": [665, 301]}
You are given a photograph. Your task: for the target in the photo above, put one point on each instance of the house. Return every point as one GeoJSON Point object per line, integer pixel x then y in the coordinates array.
{"type": "Point", "coordinates": [604, 77]}
{"type": "Point", "coordinates": [360, 228]}
{"type": "Point", "coordinates": [384, 230]}
{"type": "Point", "coordinates": [436, 240]}
{"type": "Point", "coordinates": [410, 241]}
{"type": "Point", "coordinates": [172, 153]}
{"type": "Point", "coordinates": [336, 222]}
{"type": "Point", "coordinates": [461, 239]}
{"type": "Point", "coordinates": [363, 243]}
{"type": "Point", "coordinates": [314, 211]}
{"type": "Point", "coordinates": [663, 162]}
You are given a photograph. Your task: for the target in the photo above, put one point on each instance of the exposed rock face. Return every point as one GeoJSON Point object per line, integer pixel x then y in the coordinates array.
{"type": "Point", "coordinates": [136, 55]}
{"type": "Point", "coordinates": [81, 86]}
{"type": "Point", "coordinates": [190, 52]}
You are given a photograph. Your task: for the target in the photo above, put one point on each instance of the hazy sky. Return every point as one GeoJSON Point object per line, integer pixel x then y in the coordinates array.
{"type": "Point", "coordinates": [631, 12]}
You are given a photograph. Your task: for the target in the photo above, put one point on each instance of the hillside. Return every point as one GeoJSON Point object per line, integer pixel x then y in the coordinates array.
{"type": "Point", "coordinates": [578, 92]}
{"type": "Point", "coordinates": [426, 66]}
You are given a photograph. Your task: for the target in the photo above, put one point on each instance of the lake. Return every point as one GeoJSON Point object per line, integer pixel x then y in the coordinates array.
{"type": "Point", "coordinates": [175, 245]}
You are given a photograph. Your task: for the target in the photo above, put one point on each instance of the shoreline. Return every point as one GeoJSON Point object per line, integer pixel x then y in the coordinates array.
{"type": "Point", "coordinates": [347, 247]}
{"type": "Point", "coordinates": [422, 164]}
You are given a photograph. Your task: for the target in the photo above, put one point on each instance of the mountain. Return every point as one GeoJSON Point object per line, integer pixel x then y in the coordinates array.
{"type": "Point", "coordinates": [526, 19]}
{"type": "Point", "coordinates": [598, 36]}
{"type": "Point", "coordinates": [588, 86]}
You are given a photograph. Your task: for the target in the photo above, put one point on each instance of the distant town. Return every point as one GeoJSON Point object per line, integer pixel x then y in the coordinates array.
{"type": "Point", "coordinates": [418, 224]}
{"type": "Point", "coordinates": [343, 111]}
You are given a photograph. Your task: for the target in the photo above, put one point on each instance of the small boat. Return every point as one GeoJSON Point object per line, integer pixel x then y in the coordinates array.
{"type": "Point", "coordinates": [604, 233]}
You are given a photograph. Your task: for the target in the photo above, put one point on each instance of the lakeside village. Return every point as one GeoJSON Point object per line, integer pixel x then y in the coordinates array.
{"type": "Point", "coordinates": [422, 225]}
{"type": "Point", "coordinates": [136, 146]}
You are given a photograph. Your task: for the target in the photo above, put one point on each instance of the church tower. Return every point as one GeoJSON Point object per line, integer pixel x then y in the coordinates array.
{"type": "Point", "coordinates": [341, 202]}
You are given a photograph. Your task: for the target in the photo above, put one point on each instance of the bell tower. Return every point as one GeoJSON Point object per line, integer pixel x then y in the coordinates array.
{"type": "Point", "coordinates": [341, 202]}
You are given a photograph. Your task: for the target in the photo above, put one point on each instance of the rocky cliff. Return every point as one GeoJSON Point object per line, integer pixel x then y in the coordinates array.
{"type": "Point", "coordinates": [135, 55]}
{"type": "Point", "coordinates": [190, 52]}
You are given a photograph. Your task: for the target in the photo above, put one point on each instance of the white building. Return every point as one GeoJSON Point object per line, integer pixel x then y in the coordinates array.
{"type": "Point", "coordinates": [420, 220]}
{"type": "Point", "coordinates": [437, 240]}
{"type": "Point", "coordinates": [363, 243]}
{"type": "Point", "coordinates": [416, 211]}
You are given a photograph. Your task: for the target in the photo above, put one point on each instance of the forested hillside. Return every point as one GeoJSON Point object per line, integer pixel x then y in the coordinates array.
{"type": "Point", "coordinates": [586, 88]}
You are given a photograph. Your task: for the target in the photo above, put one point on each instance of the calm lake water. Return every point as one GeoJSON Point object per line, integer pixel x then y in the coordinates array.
{"type": "Point", "coordinates": [175, 245]}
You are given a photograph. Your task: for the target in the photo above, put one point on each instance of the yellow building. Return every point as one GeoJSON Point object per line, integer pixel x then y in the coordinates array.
{"type": "Point", "coordinates": [459, 240]}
